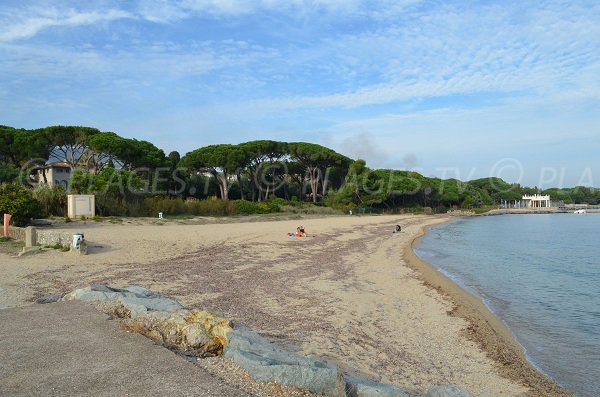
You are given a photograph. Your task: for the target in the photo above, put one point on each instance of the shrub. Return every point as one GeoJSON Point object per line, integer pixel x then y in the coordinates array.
{"type": "Point", "coordinates": [250, 207]}
{"type": "Point", "coordinates": [52, 198]}
{"type": "Point", "coordinates": [154, 205]}
{"type": "Point", "coordinates": [211, 207]}
{"type": "Point", "coordinates": [278, 201]}
{"type": "Point", "coordinates": [19, 202]}
{"type": "Point", "coordinates": [245, 207]}
{"type": "Point", "coordinates": [191, 206]}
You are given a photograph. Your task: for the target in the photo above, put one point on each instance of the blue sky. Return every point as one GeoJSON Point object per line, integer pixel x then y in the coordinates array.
{"type": "Point", "coordinates": [461, 89]}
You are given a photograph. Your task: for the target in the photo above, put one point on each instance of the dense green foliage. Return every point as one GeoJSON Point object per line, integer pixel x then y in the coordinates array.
{"type": "Point", "coordinates": [53, 199]}
{"type": "Point", "coordinates": [8, 173]}
{"type": "Point", "coordinates": [19, 202]}
{"type": "Point", "coordinates": [133, 177]}
{"type": "Point", "coordinates": [576, 195]}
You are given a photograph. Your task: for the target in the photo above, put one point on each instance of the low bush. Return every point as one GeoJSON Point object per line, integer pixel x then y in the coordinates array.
{"type": "Point", "coordinates": [251, 207]}
{"type": "Point", "coordinates": [19, 202]}
{"type": "Point", "coordinates": [52, 198]}
{"type": "Point", "coordinates": [210, 207]}
{"type": "Point", "coordinates": [309, 208]}
{"type": "Point", "coordinates": [191, 206]}
{"type": "Point", "coordinates": [154, 205]}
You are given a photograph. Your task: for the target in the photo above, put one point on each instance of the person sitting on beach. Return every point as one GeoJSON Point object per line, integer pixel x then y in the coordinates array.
{"type": "Point", "coordinates": [299, 232]}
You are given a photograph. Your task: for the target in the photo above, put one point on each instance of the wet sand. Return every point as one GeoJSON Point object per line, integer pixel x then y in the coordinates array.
{"type": "Point", "coordinates": [352, 292]}
{"type": "Point", "coordinates": [490, 334]}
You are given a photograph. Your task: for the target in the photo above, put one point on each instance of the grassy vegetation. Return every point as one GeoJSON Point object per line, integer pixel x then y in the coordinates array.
{"type": "Point", "coordinates": [484, 209]}
{"type": "Point", "coordinates": [59, 246]}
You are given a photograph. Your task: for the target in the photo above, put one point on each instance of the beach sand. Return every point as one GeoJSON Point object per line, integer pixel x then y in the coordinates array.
{"type": "Point", "coordinates": [351, 292]}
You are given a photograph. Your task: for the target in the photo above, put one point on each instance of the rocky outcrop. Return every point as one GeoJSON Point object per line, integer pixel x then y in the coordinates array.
{"type": "Point", "coordinates": [164, 320]}
{"type": "Point", "coordinates": [266, 363]}
{"type": "Point", "coordinates": [138, 300]}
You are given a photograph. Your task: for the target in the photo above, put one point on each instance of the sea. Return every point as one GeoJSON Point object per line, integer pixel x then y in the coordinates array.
{"type": "Point", "coordinates": [540, 274]}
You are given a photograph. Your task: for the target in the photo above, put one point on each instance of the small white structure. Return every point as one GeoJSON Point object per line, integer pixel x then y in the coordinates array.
{"type": "Point", "coordinates": [536, 201]}
{"type": "Point", "coordinates": [580, 212]}
{"type": "Point", "coordinates": [81, 205]}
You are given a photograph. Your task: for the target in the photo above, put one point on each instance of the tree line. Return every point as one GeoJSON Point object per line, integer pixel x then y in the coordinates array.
{"type": "Point", "coordinates": [123, 171]}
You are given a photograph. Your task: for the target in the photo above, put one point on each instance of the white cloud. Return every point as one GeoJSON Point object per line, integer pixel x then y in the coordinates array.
{"type": "Point", "coordinates": [168, 11]}
{"type": "Point", "coordinates": [32, 21]}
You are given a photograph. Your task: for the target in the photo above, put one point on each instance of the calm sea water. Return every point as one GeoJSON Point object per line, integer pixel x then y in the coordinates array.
{"type": "Point", "coordinates": [541, 275]}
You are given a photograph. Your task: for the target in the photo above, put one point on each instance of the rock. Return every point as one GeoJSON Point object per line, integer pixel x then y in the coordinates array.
{"type": "Point", "coordinates": [197, 333]}
{"type": "Point", "coordinates": [40, 222]}
{"type": "Point", "coordinates": [194, 336]}
{"type": "Point", "coordinates": [447, 391]}
{"type": "Point", "coordinates": [266, 363]}
{"type": "Point", "coordinates": [131, 296]}
{"type": "Point", "coordinates": [357, 387]}
{"type": "Point", "coordinates": [193, 332]}
{"type": "Point", "coordinates": [48, 299]}
{"type": "Point", "coordinates": [103, 288]}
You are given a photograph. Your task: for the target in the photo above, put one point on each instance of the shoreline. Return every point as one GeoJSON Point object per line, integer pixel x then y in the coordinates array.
{"type": "Point", "coordinates": [485, 328]}
{"type": "Point", "coordinates": [332, 295]}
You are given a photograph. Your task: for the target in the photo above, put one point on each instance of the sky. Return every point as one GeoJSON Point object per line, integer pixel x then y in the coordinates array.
{"type": "Point", "coordinates": [453, 89]}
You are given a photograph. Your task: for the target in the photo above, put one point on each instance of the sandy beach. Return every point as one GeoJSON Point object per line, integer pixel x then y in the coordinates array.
{"type": "Point", "coordinates": [351, 292]}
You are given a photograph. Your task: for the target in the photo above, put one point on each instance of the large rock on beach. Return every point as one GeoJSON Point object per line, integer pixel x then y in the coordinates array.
{"type": "Point", "coordinates": [164, 320]}
{"type": "Point", "coordinates": [194, 332]}
{"type": "Point", "coordinates": [357, 387]}
{"type": "Point", "coordinates": [447, 391]}
{"type": "Point", "coordinates": [267, 363]}
{"type": "Point", "coordinates": [140, 299]}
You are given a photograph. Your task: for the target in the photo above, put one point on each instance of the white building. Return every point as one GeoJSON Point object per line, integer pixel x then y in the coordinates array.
{"type": "Point", "coordinates": [57, 173]}
{"type": "Point", "coordinates": [536, 201]}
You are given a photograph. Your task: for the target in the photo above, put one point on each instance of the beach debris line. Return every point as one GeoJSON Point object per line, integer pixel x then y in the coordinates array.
{"type": "Point", "coordinates": [202, 334]}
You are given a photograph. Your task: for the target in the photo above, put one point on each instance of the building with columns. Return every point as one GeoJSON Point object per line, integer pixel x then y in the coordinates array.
{"type": "Point", "coordinates": [536, 201]}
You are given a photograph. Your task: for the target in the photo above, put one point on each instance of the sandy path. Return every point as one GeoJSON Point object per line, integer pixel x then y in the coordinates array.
{"type": "Point", "coordinates": [345, 293]}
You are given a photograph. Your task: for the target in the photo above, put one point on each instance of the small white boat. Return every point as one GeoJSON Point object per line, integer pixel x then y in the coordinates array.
{"type": "Point", "coordinates": [580, 212]}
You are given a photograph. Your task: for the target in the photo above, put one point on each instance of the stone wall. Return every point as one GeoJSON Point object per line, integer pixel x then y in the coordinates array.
{"type": "Point", "coordinates": [43, 236]}
{"type": "Point", "coordinates": [51, 237]}
{"type": "Point", "coordinates": [18, 233]}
